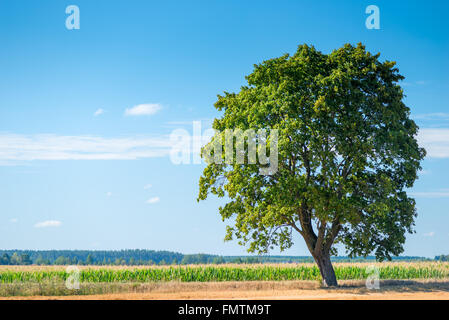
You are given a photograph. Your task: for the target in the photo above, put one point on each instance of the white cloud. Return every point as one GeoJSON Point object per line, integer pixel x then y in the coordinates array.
{"type": "Point", "coordinates": [48, 223]}
{"type": "Point", "coordinates": [143, 109]}
{"type": "Point", "coordinates": [206, 123]}
{"type": "Point", "coordinates": [15, 148]}
{"type": "Point", "coordinates": [148, 186]}
{"type": "Point", "coordinates": [416, 83]}
{"type": "Point", "coordinates": [18, 148]}
{"type": "Point", "coordinates": [13, 220]}
{"type": "Point", "coordinates": [108, 194]}
{"type": "Point", "coordinates": [443, 193]}
{"type": "Point", "coordinates": [432, 116]}
{"type": "Point", "coordinates": [98, 112]}
{"type": "Point", "coordinates": [435, 141]}
{"type": "Point", "coordinates": [153, 200]}
{"type": "Point", "coordinates": [429, 234]}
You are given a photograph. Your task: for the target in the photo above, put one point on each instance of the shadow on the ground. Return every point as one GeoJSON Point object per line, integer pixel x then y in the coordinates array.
{"type": "Point", "coordinates": [395, 285]}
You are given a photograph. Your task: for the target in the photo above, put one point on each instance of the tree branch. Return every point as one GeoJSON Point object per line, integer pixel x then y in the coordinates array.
{"type": "Point", "coordinates": [320, 239]}
{"type": "Point", "coordinates": [332, 234]}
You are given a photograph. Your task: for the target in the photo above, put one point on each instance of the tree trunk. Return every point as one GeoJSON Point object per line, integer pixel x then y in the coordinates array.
{"type": "Point", "coordinates": [324, 263]}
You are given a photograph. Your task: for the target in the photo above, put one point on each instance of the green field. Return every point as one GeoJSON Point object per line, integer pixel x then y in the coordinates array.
{"type": "Point", "coordinates": [208, 273]}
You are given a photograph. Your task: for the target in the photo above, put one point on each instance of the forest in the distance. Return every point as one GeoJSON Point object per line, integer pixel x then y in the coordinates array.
{"type": "Point", "coordinates": [152, 257]}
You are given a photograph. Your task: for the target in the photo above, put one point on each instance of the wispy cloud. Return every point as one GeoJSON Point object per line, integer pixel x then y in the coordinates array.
{"type": "Point", "coordinates": [435, 141]}
{"type": "Point", "coordinates": [48, 223]}
{"type": "Point", "coordinates": [153, 200]}
{"type": "Point", "coordinates": [19, 148]}
{"type": "Point", "coordinates": [98, 112]}
{"type": "Point", "coordinates": [148, 186]}
{"type": "Point", "coordinates": [15, 148]}
{"type": "Point", "coordinates": [108, 194]}
{"type": "Point", "coordinates": [205, 123]}
{"type": "Point", "coordinates": [13, 220]}
{"type": "Point", "coordinates": [443, 193]}
{"type": "Point", "coordinates": [438, 116]}
{"type": "Point", "coordinates": [143, 109]}
{"type": "Point", "coordinates": [429, 234]}
{"type": "Point", "coordinates": [415, 83]}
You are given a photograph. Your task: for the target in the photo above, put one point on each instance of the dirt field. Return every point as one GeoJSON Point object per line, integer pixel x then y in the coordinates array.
{"type": "Point", "coordinates": [349, 290]}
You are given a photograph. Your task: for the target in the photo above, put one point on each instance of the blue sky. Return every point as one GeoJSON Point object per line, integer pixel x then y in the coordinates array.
{"type": "Point", "coordinates": [78, 171]}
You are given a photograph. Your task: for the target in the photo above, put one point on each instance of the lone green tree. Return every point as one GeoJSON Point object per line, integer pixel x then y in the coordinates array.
{"type": "Point", "coordinates": [346, 154]}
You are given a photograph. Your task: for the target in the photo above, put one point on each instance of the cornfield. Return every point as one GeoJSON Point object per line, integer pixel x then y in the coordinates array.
{"type": "Point", "coordinates": [217, 273]}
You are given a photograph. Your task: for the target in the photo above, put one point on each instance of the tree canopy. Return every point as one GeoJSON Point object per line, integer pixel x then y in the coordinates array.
{"type": "Point", "coordinates": [346, 155]}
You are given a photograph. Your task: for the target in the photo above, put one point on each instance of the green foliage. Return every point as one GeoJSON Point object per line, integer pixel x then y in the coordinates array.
{"type": "Point", "coordinates": [89, 257]}
{"type": "Point", "coordinates": [41, 261]}
{"type": "Point", "coordinates": [25, 259]}
{"type": "Point", "coordinates": [74, 258]}
{"type": "Point", "coordinates": [218, 260]}
{"type": "Point", "coordinates": [5, 259]}
{"type": "Point", "coordinates": [228, 273]}
{"type": "Point", "coordinates": [347, 154]}
{"type": "Point", "coordinates": [196, 259]}
{"type": "Point", "coordinates": [442, 258]}
{"type": "Point", "coordinates": [15, 260]}
{"type": "Point", "coordinates": [61, 260]}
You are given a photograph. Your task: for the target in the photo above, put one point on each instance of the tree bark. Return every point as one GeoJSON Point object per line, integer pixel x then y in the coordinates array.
{"type": "Point", "coordinates": [327, 272]}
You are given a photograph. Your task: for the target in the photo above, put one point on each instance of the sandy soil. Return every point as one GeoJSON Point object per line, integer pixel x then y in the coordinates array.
{"type": "Point", "coordinates": [251, 295]}
{"type": "Point", "coordinates": [349, 290]}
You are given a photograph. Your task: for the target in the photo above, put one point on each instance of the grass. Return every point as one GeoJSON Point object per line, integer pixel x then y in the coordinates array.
{"type": "Point", "coordinates": [50, 280]}
{"type": "Point", "coordinates": [207, 273]}
{"type": "Point", "coordinates": [221, 290]}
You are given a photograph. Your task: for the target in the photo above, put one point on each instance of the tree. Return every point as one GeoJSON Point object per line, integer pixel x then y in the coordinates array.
{"type": "Point", "coordinates": [15, 259]}
{"type": "Point", "coordinates": [25, 259]}
{"type": "Point", "coordinates": [218, 260]}
{"type": "Point", "coordinates": [89, 259]}
{"type": "Point", "coordinates": [61, 260]}
{"type": "Point", "coordinates": [346, 154]}
{"type": "Point", "coordinates": [5, 259]}
{"type": "Point", "coordinates": [442, 258]}
{"type": "Point", "coordinates": [41, 261]}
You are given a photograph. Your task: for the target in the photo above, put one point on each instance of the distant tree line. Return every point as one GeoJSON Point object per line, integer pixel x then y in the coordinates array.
{"type": "Point", "coordinates": [442, 258]}
{"type": "Point", "coordinates": [15, 259]}
{"type": "Point", "coordinates": [151, 257]}
{"type": "Point", "coordinates": [89, 257]}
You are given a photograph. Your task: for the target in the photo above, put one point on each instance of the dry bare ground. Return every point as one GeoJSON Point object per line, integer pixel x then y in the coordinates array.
{"type": "Point", "coordinates": [348, 290]}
